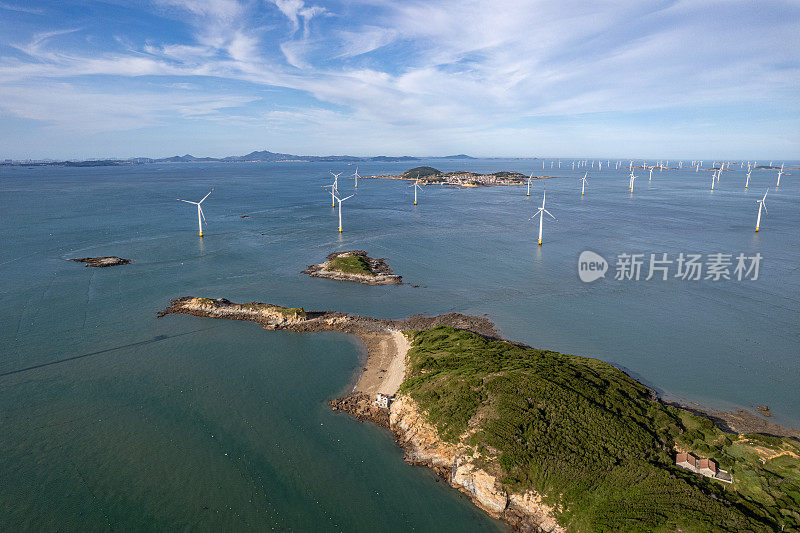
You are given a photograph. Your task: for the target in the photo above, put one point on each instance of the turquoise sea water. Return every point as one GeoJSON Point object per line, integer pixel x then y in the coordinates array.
{"type": "Point", "coordinates": [113, 419]}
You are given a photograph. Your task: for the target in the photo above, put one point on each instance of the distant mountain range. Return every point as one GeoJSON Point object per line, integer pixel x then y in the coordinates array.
{"type": "Point", "coordinates": [258, 155]}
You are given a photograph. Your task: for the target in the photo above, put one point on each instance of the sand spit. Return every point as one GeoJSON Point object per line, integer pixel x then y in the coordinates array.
{"type": "Point", "coordinates": [386, 345]}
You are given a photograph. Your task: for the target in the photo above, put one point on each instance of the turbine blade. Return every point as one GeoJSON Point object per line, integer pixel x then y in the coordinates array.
{"type": "Point", "coordinates": [551, 214]}
{"type": "Point", "coordinates": [187, 201]}
{"type": "Point", "coordinates": [207, 195]}
{"type": "Point", "coordinates": [201, 212]}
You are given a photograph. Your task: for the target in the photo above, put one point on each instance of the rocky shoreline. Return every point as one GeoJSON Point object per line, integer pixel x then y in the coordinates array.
{"type": "Point", "coordinates": [102, 262]}
{"type": "Point", "coordinates": [455, 466]}
{"type": "Point", "coordinates": [458, 465]}
{"type": "Point", "coordinates": [380, 272]}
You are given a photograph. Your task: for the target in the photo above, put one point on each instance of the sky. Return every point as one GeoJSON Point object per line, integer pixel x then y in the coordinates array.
{"type": "Point", "coordinates": [535, 78]}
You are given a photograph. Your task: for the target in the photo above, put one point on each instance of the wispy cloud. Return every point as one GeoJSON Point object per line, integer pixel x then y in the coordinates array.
{"type": "Point", "coordinates": [453, 67]}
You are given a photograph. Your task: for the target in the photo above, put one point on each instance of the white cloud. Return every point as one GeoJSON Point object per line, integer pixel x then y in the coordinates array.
{"type": "Point", "coordinates": [460, 66]}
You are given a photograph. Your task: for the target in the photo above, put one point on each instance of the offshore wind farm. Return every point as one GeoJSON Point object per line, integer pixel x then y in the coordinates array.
{"type": "Point", "coordinates": [548, 293]}
{"type": "Point", "coordinates": [447, 243]}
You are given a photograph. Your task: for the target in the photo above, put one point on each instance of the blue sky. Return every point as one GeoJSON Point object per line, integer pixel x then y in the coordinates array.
{"type": "Point", "coordinates": [659, 79]}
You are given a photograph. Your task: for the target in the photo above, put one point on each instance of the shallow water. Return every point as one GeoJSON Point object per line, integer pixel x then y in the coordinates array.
{"type": "Point", "coordinates": [118, 435]}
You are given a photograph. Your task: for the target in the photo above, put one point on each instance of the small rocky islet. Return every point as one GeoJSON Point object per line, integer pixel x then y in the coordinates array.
{"type": "Point", "coordinates": [102, 262]}
{"type": "Point", "coordinates": [356, 266]}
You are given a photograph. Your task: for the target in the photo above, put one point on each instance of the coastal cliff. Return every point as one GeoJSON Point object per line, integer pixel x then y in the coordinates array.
{"type": "Point", "coordinates": [456, 464]}
{"type": "Point", "coordinates": [542, 440]}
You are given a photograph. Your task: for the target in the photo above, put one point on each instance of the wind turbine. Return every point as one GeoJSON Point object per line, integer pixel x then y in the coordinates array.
{"type": "Point", "coordinates": [529, 183]}
{"type": "Point", "coordinates": [540, 213]}
{"type": "Point", "coordinates": [416, 186]}
{"type": "Point", "coordinates": [780, 173]}
{"type": "Point", "coordinates": [200, 216]}
{"type": "Point", "coordinates": [340, 209]}
{"type": "Point", "coordinates": [630, 182]}
{"type": "Point", "coordinates": [651, 174]}
{"type": "Point", "coordinates": [584, 179]}
{"type": "Point", "coordinates": [761, 204]}
{"type": "Point", "coordinates": [355, 175]}
{"type": "Point", "coordinates": [747, 183]}
{"type": "Point", "coordinates": [713, 179]}
{"type": "Point", "coordinates": [334, 187]}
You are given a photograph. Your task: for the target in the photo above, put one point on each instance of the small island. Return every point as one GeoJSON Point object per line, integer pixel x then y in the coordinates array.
{"type": "Point", "coordinates": [462, 178]}
{"type": "Point", "coordinates": [357, 266]}
{"type": "Point", "coordinates": [102, 262]}
{"type": "Point", "coordinates": [543, 440]}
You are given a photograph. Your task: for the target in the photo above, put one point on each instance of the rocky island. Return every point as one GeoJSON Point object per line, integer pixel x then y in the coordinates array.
{"type": "Point", "coordinates": [102, 262]}
{"type": "Point", "coordinates": [543, 440]}
{"type": "Point", "coordinates": [431, 176]}
{"type": "Point", "coordinates": [357, 266]}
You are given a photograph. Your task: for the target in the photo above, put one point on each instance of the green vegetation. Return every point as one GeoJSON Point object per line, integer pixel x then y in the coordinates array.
{"type": "Point", "coordinates": [351, 264]}
{"type": "Point", "coordinates": [295, 312]}
{"type": "Point", "coordinates": [208, 301]}
{"type": "Point", "coordinates": [582, 433]}
{"type": "Point", "coordinates": [765, 469]}
{"type": "Point", "coordinates": [424, 173]}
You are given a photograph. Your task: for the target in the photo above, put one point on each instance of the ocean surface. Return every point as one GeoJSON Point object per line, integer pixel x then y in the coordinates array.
{"type": "Point", "coordinates": [111, 418]}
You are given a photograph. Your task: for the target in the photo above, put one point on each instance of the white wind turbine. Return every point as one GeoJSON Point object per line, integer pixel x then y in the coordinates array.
{"type": "Point", "coordinates": [200, 216]}
{"type": "Point", "coordinates": [584, 179]}
{"type": "Point", "coordinates": [651, 174]}
{"type": "Point", "coordinates": [713, 179]}
{"type": "Point", "coordinates": [334, 187]}
{"type": "Point", "coordinates": [747, 182]}
{"type": "Point", "coordinates": [540, 213]}
{"type": "Point", "coordinates": [761, 203]}
{"type": "Point", "coordinates": [355, 176]}
{"type": "Point", "coordinates": [340, 208]}
{"type": "Point", "coordinates": [529, 182]}
{"type": "Point", "coordinates": [630, 181]}
{"type": "Point", "coordinates": [416, 187]}
{"type": "Point", "coordinates": [780, 173]}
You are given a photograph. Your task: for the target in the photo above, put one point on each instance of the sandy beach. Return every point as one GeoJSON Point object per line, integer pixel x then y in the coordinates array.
{"type": "Point", "coordinates": [386, 363]}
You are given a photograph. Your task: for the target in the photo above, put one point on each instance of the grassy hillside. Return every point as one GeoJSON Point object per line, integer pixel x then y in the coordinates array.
{"type": "Point", "coordinates": [580, 432]}
{"type": "Point", "coordinates": [351, 264]}
{"type": "Point", "coordinates": [422, 173]}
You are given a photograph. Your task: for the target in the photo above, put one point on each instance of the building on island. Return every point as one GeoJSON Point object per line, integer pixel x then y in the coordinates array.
{"type": "Point", "coordinates": [383, 400]}
{"type": "Point", "coordinates": [703, 466]}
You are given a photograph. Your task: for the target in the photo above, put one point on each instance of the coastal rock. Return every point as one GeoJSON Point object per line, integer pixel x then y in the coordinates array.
{"type": "Point", "coordinates": [487, 494]}
{"type": "Point", "coordinates": [374, 271]}
{"type": "Point", "coordinates": [454, 463]}
{"type": "Point", "coordinates": [102, 262]}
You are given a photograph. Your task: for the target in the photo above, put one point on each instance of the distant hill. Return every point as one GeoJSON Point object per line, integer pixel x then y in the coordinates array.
{"type": "Point", "coordinates": [421, 172]}
{"type": "Point", "coordinates": [257, 155]}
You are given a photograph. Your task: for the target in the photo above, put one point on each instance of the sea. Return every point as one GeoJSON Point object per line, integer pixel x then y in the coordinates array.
{"type": "Point", "coordinates": [114, 419]}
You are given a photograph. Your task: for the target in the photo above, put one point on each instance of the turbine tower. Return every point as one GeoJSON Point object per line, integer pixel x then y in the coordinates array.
{"type": "Point", "coordinates": [540, 213]}
{"type": "Point", "coordinates": [584, 179]}
{"type": "Point", "coordinates": [200, 216]}
{"type": "Point", "coordinates": [761, 203]}
{"type": "Point", "coordinates": [416, 187]}
{"type": "Point", "coordinates": [334, 187]}
{"type": "Point", "coordinates": [340, 209]}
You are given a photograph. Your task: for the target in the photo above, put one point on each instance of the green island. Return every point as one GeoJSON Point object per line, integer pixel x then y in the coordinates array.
{"type": "Point", "coordinates": [351, 264]}
{"type": "Point", "coordinates": [356, 266]}
{"type": "Point", "coordinates": [593, 442]}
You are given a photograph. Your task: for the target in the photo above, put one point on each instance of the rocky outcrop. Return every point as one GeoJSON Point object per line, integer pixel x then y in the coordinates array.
{"type": "Point", "coordinates": [380, 272]}
{"type": "Point", "coordinates": [455, 463]}
{"type": "Point", "coordinates": [102, 262]}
